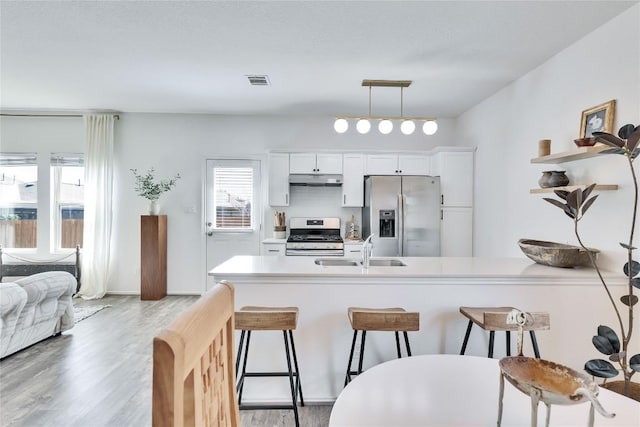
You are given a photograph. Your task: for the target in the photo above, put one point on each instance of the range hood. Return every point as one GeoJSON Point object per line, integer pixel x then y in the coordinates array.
{"type": "Point", "coordinates": [315, 180]}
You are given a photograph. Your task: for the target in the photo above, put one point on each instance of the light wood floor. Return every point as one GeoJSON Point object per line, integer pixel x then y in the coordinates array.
{"type": "Point", "coordinates": [99, 372]}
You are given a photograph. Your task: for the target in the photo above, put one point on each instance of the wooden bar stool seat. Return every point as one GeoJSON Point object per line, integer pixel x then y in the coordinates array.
{"type": "Point", "coordinates": [493, 319]}
{"type": "Point", "coordinates": [379, 319]}
{"type": "Point", "coordinates": [255, 318]}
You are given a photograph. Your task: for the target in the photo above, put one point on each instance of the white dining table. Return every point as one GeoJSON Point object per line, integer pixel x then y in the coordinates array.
{"type": "Point", "coordinates": [450, 390]}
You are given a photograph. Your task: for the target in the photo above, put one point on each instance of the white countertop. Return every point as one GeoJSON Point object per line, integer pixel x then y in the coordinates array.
{"type": "Point", "coordinates": [425, 269]}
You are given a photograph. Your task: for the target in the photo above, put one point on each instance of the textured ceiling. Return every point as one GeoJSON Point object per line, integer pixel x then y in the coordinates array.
{"type": "Point", "coordinates": [193, 57]}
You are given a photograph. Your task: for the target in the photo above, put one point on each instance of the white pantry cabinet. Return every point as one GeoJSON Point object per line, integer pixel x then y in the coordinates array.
{"type": "Point", "coordinates": [398, 164]}
{"type": "Point", "coordinates": [279, 179]}
{"type": "Point", "coordinates": [456, 232]}
{"type": "Point", "coordinates": [353, 180]}
{"type": "Point", "coordinates": [456, 178]}
{"type": "Point", "coordinates": [315, 163]}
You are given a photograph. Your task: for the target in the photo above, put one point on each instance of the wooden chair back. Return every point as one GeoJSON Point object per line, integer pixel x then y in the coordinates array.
{"type": "Point", "coordinates": [193, 365]}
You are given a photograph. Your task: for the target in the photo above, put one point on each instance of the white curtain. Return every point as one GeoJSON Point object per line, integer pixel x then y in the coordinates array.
{"type": "Point", "coordinates": [96, 251]}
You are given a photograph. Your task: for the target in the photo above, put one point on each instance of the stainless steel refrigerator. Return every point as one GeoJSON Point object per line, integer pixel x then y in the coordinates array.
{"type": "Point", "coordinates": [403, 212]}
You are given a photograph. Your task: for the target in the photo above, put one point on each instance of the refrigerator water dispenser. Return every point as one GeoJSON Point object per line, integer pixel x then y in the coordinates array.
{"type": "Point", "coordinates": [388, 223]}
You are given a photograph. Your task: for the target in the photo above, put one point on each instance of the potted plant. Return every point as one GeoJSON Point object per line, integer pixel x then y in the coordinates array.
{"type": "Point", "coordinates": [575, 204]}
{"type": "Point", "coordinates": [147, 187]}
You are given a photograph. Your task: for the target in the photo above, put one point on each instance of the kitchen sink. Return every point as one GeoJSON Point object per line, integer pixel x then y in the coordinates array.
{"type": "Point", "coordinates": [340, 262]}
{"type": "Point", "coordinates": [386, 263]}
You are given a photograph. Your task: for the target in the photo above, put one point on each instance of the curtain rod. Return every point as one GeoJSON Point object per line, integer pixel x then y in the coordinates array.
{"type": "Point", "coordinates": [116, 116]}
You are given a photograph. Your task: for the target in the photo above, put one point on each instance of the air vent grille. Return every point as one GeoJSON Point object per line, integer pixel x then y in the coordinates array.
{"type": "Point", "coordinates": [258, 80]}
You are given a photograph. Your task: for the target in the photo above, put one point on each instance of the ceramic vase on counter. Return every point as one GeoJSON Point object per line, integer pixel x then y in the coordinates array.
{"type": "Point", "coordinates": [279, 225]}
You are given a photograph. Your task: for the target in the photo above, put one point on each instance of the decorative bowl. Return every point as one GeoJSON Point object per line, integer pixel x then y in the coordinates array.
{"type": "Point", "coordinates": [585, 142]}
{"type": "Point", "coordinates": [555, 254]}
{"type": "Point", "coordinates": [558, 384]}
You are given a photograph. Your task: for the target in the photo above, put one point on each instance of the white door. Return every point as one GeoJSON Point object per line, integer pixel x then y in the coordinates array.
{"type": "Point", "coordinates": [233, 210]}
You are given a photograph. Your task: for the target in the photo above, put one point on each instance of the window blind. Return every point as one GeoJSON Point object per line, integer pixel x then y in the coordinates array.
{"type": "Point", "coordinates": [233, 197]}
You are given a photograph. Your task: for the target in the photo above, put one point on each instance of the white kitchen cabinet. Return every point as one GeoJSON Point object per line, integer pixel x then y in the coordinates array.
{"type": "Point", "coordinates": [353, 180]}
{"type": "Point", "coordinates": [398, 164]}
{"type": "Point", "coordinates": [353, 249]}
{"type": "Point", "coordinates": [456, 232]}
{"type": "Point", "coordinates": [410, 164]}
{"type": "Point", "coordinates": [315, 163]}
{"type": "Point", "coordinates": [456, 178]}
{"type": "Point", "coordinates": [273, 249]}
{"type": "Point", "coordinates": [279, 179]}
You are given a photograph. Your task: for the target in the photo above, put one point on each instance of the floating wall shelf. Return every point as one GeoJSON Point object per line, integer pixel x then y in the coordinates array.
{"type": "Point", "coordinates": [568, 156]}
{"type": "Point", "coordinates": [604, 187]}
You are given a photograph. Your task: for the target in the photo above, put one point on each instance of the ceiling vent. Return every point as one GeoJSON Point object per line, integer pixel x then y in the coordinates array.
{"type": "Point", "coordinates": [258, 80]}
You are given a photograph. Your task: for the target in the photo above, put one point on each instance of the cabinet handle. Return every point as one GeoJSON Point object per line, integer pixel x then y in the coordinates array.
{"type": "Point", "coordinates": [286, 198]}
{"type": "Point", "coordinates": [441, 215]}
{"type": "Point", "coordinates": [344, 199]}
{"type": "Point", "coordinates": [442, 199]}
{"type": "Point", "coordinates": [274, 250]}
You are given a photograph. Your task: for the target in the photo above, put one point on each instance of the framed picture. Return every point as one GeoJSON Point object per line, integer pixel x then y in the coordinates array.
{"type": "Point", "coordinates": [598, 119]}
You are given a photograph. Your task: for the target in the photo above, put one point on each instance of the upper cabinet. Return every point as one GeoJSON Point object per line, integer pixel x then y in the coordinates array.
{"type": "Point", "coordinates": [279, 179]}
{"type": "Point", "coordinates": [353, 180]}
{"type": "Point", "coordinates": [397, 164]}
{"type": "Point", "coordinates": [456, 177]}
{"type": "Point", "coordinates": [315, 163]}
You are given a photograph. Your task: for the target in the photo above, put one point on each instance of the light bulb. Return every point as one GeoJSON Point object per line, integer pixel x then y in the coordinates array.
{"type": "Point", "coordinates": [385, 126]}
{"type": "Point", "coordinates": [341, 125]}
{"type": "Point", "coordinates": [430, 127]}
{"type": "Point", "coordinates": [407, 127]}
{"type": "Point", "coordinates": [363, 126]}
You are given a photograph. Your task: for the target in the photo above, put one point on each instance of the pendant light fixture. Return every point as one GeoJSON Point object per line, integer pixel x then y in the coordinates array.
{"type": "Point", "coordinates": [386, 124]}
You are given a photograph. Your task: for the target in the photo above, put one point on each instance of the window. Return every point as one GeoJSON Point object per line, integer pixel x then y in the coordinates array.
{"type": "Point", "coordinates": [67, 196]}
{"type": "Point", "coordinates": [18, 200]}
{"type": "Point", "coordinates": [233, 198]}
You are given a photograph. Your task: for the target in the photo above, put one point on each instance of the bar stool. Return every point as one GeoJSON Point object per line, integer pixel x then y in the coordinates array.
{"type": "Point", "coordinates": [494, 319]}
{"type": "Point", "coordinates": [284, 319]}
{"type": "Point", "coordinates": [379, 319]}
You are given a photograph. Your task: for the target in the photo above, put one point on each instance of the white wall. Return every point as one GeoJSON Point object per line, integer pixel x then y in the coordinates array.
{"type": "Point", "coordinates": [547, 103]}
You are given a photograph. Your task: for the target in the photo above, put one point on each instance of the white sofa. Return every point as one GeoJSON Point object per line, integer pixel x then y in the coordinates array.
{"type": "Point", "coordinates": [34, 308]}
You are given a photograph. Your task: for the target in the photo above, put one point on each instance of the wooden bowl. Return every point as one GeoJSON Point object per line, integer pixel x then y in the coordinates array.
{"type": "Point", "coordinates": [555, 254]}
{"type": "Point", "coordinates": [585, 142]}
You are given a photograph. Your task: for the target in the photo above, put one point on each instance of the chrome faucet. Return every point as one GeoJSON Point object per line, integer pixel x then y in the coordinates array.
{"type": "Point", "coordinates": [367, 251]}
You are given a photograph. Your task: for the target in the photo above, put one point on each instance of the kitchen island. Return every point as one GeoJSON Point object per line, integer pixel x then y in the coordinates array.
{"type": "Point", "coordinates": [435, 287]}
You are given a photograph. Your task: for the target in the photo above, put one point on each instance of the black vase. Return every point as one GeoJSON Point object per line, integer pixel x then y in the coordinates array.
{"type": "Point", "coordinates": [558, 179]}
{"type": "Point", "coordinates": [543, 182]}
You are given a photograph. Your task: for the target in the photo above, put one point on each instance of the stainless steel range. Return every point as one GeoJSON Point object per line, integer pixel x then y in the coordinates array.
{"type": "Point", "coordinates": [315, 237]}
